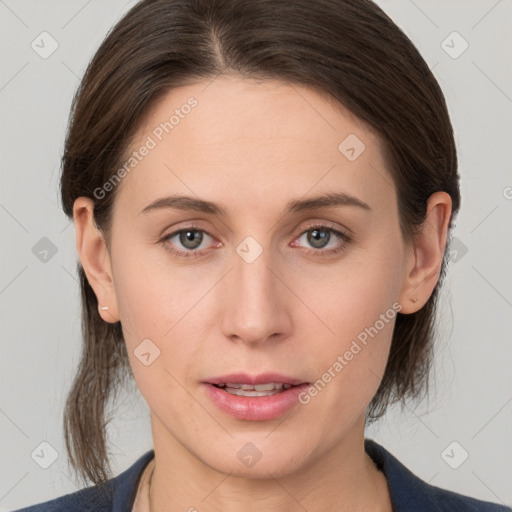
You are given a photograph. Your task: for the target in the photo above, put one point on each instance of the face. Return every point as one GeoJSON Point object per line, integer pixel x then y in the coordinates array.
{"type": "Point", "coordinates": [261, 284]}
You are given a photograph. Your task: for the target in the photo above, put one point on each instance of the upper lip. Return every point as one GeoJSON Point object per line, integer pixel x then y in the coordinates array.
{"type": "Point", "coordinates": [263, 378]}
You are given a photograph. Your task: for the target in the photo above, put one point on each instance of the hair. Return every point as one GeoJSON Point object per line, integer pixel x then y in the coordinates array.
{"type": "Point", "coordinates": [349, 50]}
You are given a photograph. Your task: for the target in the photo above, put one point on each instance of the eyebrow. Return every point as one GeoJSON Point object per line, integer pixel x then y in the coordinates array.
{"type": "Point", "coordinates": [180, 202]}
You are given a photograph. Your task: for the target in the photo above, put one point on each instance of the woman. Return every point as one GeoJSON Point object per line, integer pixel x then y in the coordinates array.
{"type": "Point", "coordinates": [262, 195]}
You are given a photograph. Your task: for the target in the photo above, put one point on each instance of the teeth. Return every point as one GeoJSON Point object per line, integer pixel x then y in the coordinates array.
{"type": "Point", "coordinates": [243, 392]}
{"type": "Point", "coordinates": [270, 388]}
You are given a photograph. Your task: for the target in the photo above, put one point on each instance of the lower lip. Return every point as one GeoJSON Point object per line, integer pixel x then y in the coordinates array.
{"type": "Point", "coordinates": [255, 408]}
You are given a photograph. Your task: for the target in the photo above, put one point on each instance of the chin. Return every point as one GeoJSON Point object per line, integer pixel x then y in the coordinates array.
{"type": "Point", "coordinates": [251, 460]}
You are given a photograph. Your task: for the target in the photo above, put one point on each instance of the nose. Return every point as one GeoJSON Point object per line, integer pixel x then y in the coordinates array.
{"type": "Point", "coordinates": [255, 302]}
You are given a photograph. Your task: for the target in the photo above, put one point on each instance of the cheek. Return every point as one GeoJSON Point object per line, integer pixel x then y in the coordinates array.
{"type": "Point", "coordinates": [350, 367]}
{"type": "Point", "coordinates": [153, 311]}
{"type": "Point", "coordinates": [153, 294]}
{"type": "Point", "coordinates": [358, 308]}
{"type": "Point", "coordinates": [352, 295]}
{"type": "Point", "coordinates": [167, 305]}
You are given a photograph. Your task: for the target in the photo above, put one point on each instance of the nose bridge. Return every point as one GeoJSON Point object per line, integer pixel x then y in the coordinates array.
{"type": "Point", "coordinates": [254, 307]}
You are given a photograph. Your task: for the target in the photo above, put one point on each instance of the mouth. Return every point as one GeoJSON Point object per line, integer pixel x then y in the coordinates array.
{"type": "Point", "coordinates": [254, 398]}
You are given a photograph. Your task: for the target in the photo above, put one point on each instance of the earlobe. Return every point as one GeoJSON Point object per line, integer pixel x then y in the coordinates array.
{"type": "Point", "coordinates": [94, 256]}
{"type": "Point", "coordinates": [426, 254]}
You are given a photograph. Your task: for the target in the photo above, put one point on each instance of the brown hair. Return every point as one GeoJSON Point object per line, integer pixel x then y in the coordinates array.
{"type": "Point", "coordinates": [348, 49]}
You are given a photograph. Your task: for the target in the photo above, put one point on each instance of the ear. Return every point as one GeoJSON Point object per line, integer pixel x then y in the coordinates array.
{"type": "Point", "coordinates": [95, 258]}
{"type": "Point", "coordinates": [425, 256]}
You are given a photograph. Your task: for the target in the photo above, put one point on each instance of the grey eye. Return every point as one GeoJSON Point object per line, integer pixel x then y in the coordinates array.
{"type": "Point", "coordinates": [190, 238]}
{"type": "Point", "coordinates": [318, 238]}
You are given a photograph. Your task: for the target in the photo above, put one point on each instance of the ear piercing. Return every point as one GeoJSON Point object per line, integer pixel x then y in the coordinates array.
{"type": "Point", "coordinates": [414, 299]}
{"type": "Point", "coordinates": [104, 308]}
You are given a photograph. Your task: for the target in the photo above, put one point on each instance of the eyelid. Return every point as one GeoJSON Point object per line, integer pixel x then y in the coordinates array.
{"type": "Point", "coordinates": [325, 224]}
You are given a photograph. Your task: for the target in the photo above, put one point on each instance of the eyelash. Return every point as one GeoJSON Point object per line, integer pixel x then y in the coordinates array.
{"type": "Point", "coordinates": [315, 252]}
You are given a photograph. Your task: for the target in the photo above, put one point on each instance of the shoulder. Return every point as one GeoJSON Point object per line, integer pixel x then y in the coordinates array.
{"type": "Point", "coordinates": [409, 492]}
{"type": "Point", "coordinates": [115, 495]}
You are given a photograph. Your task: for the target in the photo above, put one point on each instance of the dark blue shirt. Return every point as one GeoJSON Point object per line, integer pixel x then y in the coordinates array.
{"type": "Point", "coordinates": [408, 492]}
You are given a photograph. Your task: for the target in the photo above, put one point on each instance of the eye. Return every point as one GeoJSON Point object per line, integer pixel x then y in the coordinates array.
{"type": "Point", "coordinates": [190, 239]}
{"type": "Point", "coordinates": [324, 239]}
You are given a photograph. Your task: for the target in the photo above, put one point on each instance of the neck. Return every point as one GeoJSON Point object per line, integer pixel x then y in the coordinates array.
{"type": "Point", "coordinates": [343, 479]}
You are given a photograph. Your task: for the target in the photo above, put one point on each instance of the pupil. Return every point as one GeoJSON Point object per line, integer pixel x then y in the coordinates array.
{"type": "Point", "coordinates": [318, 238]}
{"type": "Point", "coordinates": [191, 239]}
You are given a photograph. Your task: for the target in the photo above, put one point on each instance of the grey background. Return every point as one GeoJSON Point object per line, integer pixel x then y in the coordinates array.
{"type": "Point", "coordinates": [472, 400]}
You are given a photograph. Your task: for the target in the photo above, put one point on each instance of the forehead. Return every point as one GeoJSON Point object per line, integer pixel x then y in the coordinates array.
{"type": "Point", "coordinates": [243, 139]}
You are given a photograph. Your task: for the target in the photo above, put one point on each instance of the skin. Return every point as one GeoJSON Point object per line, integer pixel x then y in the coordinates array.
{"type": "Point", "coordinates": [251, 147]}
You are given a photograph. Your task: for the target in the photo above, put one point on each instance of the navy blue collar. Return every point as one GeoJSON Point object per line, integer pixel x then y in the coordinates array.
{"type": "Point", "coordinates": [125, 484]}
{"type": "Point", "coordinates": [411, 494]}
{"type": "Point", "coordinates": [408, 492]}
